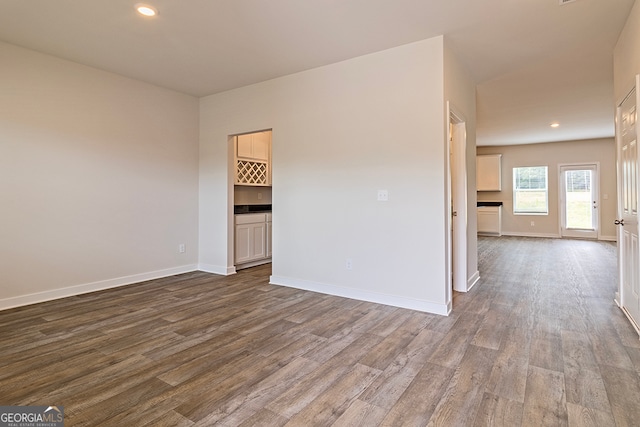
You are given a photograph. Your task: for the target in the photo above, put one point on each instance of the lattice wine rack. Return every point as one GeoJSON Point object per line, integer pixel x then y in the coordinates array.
{"type": "Point", "coordinates": [251, 172]}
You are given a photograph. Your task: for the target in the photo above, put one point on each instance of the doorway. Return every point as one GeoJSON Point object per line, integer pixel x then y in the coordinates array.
{"type": "Point", "coordinates": [628, 239]}
{"type": "Point", "coordinates": [457, 236]}
{"type": "Point", "coordinates": [579, 203]}
{"type": "Point", "coordinates": [250, 200]}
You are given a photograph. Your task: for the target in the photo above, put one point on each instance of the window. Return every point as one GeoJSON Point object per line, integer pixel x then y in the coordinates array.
{"type": "Point", "coordinates": [530, 191]}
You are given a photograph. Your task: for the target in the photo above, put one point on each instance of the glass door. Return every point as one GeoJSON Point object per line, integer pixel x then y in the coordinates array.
{"type": "Point", "coordinates": [579, 201]}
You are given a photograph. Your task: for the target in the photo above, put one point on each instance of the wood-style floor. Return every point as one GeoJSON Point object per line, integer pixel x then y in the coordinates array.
{"type": "Point", "coordinates": [539, 341]}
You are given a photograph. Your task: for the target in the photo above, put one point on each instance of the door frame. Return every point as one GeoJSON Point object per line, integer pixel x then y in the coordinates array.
{"type": "Point", "coordinates": [457, 245]}
{"type": "Point", "coordinates": [596, 196]}
{"type": "Point", "coordinates": [619, 296]}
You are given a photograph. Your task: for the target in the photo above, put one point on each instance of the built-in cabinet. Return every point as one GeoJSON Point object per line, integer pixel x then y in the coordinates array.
{"type": "Point", "coordinates": [490, 220]}
{"type": "Point", "coordinates": [489, 172]}
{"type": "Point", "coordinates": [252, 239]}
{"type": "Point", "coordinates": [253, 159]}
{"type": "Point", "coordinates": [269, 234]}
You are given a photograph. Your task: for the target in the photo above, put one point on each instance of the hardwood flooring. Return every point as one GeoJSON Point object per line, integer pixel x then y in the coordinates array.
{"type": "Point", "coordinates": [537, 342]}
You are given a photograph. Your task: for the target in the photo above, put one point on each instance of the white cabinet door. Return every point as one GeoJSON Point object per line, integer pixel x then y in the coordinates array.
{"type": "Point", "coordinates": [269, 242]}
{"type": "Point", "coordinates": [489, 220]}
{"type": "Point", "coordinates": [243, 243]}
{"type": "Point", "coordinates": [251, 242]}
{"type": "Point", "coordinates": [489, 172]}
{"type": "Point", "coordinates": [254, 146]}
{"type": "Point", "coordinates": [260, 145]}
{"type": "Point", "coordinates": [244, 146]}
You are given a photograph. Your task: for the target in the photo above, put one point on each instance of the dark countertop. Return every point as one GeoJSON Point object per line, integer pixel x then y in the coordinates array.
{"type": "Point", "coordinates": [244, 209]}
{"type": "Point", "coordinates": [480, 204]}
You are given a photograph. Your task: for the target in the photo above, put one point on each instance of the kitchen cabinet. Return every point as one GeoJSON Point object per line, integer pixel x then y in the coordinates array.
{"type": "Point", "coordinates": [253, 159]}
{"type": "Point", "coordinates": [254, 146]}
{"type": "Point", "coordinates": [489, 172]}
{"type": "Point", "coordinates": [490, 220]}
{"type": "Point", "coordinates": [269, 234]}
{"type": "Point", "coordinates": [252, 239]}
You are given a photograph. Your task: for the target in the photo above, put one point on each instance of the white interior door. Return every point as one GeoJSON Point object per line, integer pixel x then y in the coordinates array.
{"type": "Point", "coordinates": [627, 145]}
{"type": "Point", "coordinates": [579, 203]}
{"type": "Point", "coordinates": [457, 142]}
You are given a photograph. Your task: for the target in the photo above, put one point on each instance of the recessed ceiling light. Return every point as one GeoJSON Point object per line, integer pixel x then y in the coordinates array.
{"type": "Point", "coordinates": [555, 125]}
{"type": "Point", "coordinates": [146, 10]}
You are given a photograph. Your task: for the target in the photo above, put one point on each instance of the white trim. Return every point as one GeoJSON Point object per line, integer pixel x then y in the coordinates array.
{"type": "Point", "coordinates": [70, 291]}
{"type": "Point", "coordinates": [217, 269]}
{"type": "Point", "coordinates": [473, 280]}
{"type": "Point", "coordinates": [519, 234]}
{"type": "Point", "coordinates": [456, 248]}
{"type": "Point", "coordinates": [631, 320]}
{"type": "Point", "coordinates": [253, 264]}
{"type": "Point", "coordinates": [362, 295]}
{"type": "Point", "coordinates": [608, 238]}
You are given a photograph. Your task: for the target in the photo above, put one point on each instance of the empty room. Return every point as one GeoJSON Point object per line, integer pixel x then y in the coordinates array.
{"type": "Point", "coordinates": [312, 213]}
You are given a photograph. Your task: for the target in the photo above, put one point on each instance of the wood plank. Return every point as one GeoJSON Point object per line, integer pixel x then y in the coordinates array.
{"type": "Point", "coordinates": [452, 348]}
{"type": "Point", "coordinates": [545, 402]}
{"type": "Point", "coordinates": [545, 350]}
{"type": "Point", "coordinates": [360, 414]}
{"type": "Point", "coordinates": [538, 341]}
{"type": "Point", "coordinates": [463, 397]}
{"type": "Point", "coordinates": [498, 411]}
{"type": "Point", "coordinates": [394, 380]}
{"type": "Point", "coordinates": [623, 389]}
{"type": "Point", "coordinates": [328, 406]}
{"type": "Point", "coordinates": [583, 382]}
{"type": "Point", "coordinates": [417, 403]}
{"type": "Point", "coordinates": [579, 416]}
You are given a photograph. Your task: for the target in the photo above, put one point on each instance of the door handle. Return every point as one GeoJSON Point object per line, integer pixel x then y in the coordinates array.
{"type": "Point", "coordinates": [619, 222]}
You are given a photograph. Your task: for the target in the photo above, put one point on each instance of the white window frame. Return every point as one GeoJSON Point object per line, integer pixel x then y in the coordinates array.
{"type": "Point", "coordinates": [546, 191]}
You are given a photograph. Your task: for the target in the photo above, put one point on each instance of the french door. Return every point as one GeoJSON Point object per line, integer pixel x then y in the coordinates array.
{"type": "Point", "coordinates": [579, 200]}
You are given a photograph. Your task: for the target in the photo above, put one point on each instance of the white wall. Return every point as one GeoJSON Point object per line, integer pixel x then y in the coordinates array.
{"type": "Point", "coordinates": [626, 55]}
{"type": "Point", "coordinates": [341, 133]}
{"type": "Point", "coordinates": [552, 155]}
{"type": "Point", "coordinates": [98, 178]}
{"type": "Point", "coordinates": [247, 195]}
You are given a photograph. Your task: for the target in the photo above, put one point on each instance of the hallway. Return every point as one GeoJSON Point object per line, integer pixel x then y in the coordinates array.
{"type": "Point", "coordinates": [549, 311]}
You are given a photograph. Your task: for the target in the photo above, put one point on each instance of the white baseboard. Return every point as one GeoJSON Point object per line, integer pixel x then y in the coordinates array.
{"type": "Point", "coordinates": [216, 269]}
{"type": "Point", "coordinates": [363, 295]}
{"type": "Point", "coordinates": [253, 264]}
{"type": "Point", "coordinates": [550, 236]}
{"type": "Point", "coordinates": [101, 285]}
{"type": "Point", "coordinates": [473, 280]}
{"type": "Point", "coordinates": [518, 234]}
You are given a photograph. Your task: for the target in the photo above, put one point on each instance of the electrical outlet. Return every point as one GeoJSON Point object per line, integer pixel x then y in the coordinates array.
{"type": "Point", "coordinates": [259, 196]}
{"type": "Point", "coordinates": [349, 264]}
{"type": "Point", "coordinates": [182, 248]}
{"type": "Point", "coordinates": [533, 224]}
{"type": "Point", "coordinates": [383, 195]}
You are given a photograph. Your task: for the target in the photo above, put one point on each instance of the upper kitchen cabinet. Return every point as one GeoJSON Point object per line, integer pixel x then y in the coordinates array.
{"type": "Point", "coordinates": [489, 172]}
{"type": "Point", "coordinates": [253, 159]}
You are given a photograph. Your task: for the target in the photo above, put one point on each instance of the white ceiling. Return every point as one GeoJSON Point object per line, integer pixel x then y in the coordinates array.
{"type": "Point", "coordinates": [535, 61]}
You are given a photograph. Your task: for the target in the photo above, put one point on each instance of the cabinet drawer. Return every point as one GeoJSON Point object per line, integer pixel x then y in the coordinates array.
{"type": "Point", "coordinates": [251, 218]}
